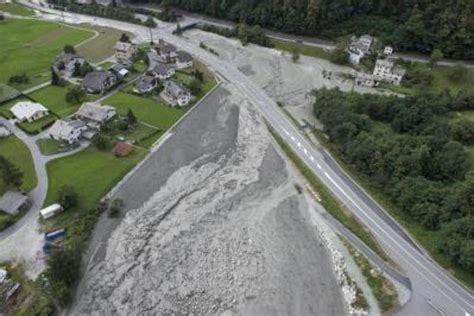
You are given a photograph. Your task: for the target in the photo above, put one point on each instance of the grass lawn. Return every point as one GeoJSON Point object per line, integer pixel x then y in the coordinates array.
{"type": "Point", "coordinates": [384, 291]}
{"type": "Point", "coordinates": [307, 50]}
{"type": "Point", "coordinates": [146, 110]}
{"type": "Point", "coordinates": [443, 79]}
{"type": "Point", "coordinates": [30, 46]}
{"type": "Point", "coordinates": [48, 146]}
{"type": "Point", "coordinates": [16, 9]}
{"type": "Point", "coordinates": [37, 126]}
{"type": "Point", "coordinates": [15, 151]}
{"type": "Point", "coordinates": [7, 92]}
{"type": "Point", "coordinates": [101, 47]}
{"type": "Point", "coordinates": [92, 173]}
{"type": "Point", "coordinates": [54, 98]}
{"type": "Point", "coordinates": [5, 107]}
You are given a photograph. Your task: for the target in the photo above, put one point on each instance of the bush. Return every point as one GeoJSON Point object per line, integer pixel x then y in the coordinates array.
{"type": "Point", "coordinates": [68, 197]}
{"type": "Point", "coordinates": [75, 95]}
{"type": "Point", "coordinates": [19, 79]}
{"type": "Point", "coordinates": [115, 208]}
{"type": "Point", "coordinates": [102, 143]}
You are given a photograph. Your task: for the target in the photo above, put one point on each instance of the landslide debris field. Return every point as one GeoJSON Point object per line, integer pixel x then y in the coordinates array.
{"type": "Point", "coordinates": [215, 227]}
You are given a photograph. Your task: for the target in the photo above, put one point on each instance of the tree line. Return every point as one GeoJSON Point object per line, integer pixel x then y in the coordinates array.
{"type": "Point", "coordinates": [411, 149]}
{"type": "Point", "coordinates": [408, 25]}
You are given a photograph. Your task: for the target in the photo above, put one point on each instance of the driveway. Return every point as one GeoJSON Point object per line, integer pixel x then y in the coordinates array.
{"type": "Point", "coordinates": [22, 241]}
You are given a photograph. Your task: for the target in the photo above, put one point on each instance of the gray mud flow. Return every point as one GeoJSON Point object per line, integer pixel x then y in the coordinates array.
{"type": "Point", "coordinates": [214, 227]}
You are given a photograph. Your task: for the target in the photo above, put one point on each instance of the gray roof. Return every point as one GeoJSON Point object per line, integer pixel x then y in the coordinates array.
{"type": "Point", "coordinates": [11, 202]}
{"type": "Point", "coordinates": [184, 57]}
{"type": "Point", "coordinates": [384, 62]}
{"type": "Point", "coordinates": [95, 80]}
{"type": "Point", "coordinates": [67, 57]}
{"type": "Point", "coordinates": [124, 46]}
{"type": "Point", "coordinates": [95, 111]}
{"type": "Point", "coordinates": [161, 69]}
{"type": "Point", "coordinates": [63, 128]}
{"type": "Point", "coordinates": [144, 82]}
{"type": "Point", "coordinates": [165, 48]}
{"type": "Point", "coordinates": [175, 88]}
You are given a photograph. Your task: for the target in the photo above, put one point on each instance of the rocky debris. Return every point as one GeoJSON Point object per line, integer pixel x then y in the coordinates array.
{"type": "Point", "coordinates": [349, 287]}
{"type": "Point", "coordinates": [232, 239]}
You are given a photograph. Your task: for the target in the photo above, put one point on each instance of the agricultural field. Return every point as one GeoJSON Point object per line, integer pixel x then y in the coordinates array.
{"type": "Point", "coordinates": [91, 166]}
{"type": "Point", "coordinates": [147, 110]}
{"type": "Point", "coordinates": [16, 9]}
{"type": "Point", "coordinates": [15, 151]}
{"type": "Point", "coordinates": [54, 98]}
{"type": "Point", "coordinates": [30, 46]}
{"type": "Point", "coordinates": [102, 46]}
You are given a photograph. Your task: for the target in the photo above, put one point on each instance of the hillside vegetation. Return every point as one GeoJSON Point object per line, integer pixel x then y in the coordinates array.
{"type": "Point", "coordinates": [416, 152]}
{"type": "Point", "coordinates": [410, 25]}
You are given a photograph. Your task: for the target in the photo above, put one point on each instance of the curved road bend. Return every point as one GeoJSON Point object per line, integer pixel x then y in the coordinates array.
{"type": "Point", "coordinates": [431, 284]}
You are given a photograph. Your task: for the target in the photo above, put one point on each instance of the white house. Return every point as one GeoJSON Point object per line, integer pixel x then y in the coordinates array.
{"type": "Point", "coordinates": [125, 50]}
{"type": "Point", "coordinates": [175, 93]}
{"type": "Point", "coordinates": [359, 47]}
{"type": "Point", "coordinates": [385, 70]}
{"type": "Point", "coordinates": [29, 111]}
{"type": "Point", "coordinates": [95, 112]}
{"type": "Point", "coordinates": [67, 130]}
{"type": "Point", "coordinates": [184, 60]}
{"type": "Point", "coordinates": [388, 50]}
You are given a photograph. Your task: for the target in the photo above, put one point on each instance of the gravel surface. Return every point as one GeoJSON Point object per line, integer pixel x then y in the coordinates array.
{"type": "Point", "coordinates": [215, 226]}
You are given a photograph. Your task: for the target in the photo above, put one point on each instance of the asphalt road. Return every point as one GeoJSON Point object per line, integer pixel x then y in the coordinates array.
{"type": "Point", "coordinates": [309, 40]}
{"type": "Point", "coordinates": [434, 291]}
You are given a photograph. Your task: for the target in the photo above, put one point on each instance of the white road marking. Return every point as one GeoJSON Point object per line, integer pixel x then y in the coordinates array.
{"type": "Point", "coordinates": [292, 138]}
{"type": "Point", "coordinates": [312, 159]}
{"type": "Point", "coordinates": [319, 166]}
{"type": "Point", "coordinates": [298, 144]}
{"type": "Point", "coordinates": [415, 261]}
{"type": "Point", "coordinates": [305, 151]}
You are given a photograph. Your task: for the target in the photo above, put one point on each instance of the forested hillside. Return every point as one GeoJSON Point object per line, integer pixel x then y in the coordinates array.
{"type": "Point", "coordinates": [418, 151]}
{"type": "Point", "coordinates": [420, 25]}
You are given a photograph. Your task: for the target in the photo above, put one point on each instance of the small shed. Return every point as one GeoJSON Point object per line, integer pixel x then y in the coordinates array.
{"type": "Point", "coordinates": [13, 202]}
{"type": "Point", "coordinates": [122, 149]}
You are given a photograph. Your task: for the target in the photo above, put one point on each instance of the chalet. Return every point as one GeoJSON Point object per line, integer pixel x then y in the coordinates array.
{"type": "Point", "coordinates": [98, 81]}
{"type": "Point", "coordinates": [91, 111]}
{"type": "Point", "coordinates": [125, 50]}
{"type": "Point", "coordinates": [183, 60]}
{"type": "Point", "coordinates": [166, 51]}
{"type": "Point", "coordinates": [29, 111]}
{"type": "Point", "coordinates": [14, 202]}
{"type": "Point", "coordinates": [66, 63]}
{"type": "Point", "coordinates": [145, 84]}
{"type": "Point", "coordinates": [175, 93]}
{"type": "Point", "coordinates": [67, 130]}
{"type": "Point", "coordinates": [162, 71]}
